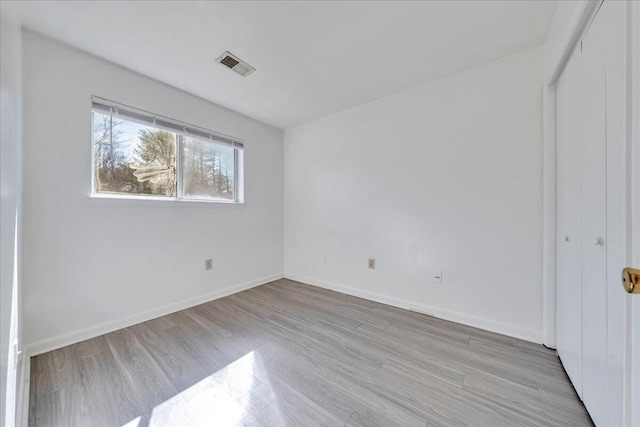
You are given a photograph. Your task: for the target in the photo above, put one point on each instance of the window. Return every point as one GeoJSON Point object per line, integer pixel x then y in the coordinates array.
{"type": "Point", "coordinates": [142, 155]}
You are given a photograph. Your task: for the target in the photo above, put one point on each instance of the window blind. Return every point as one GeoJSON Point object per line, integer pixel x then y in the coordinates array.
{"type": "Point", "coordinates": [126, 112]}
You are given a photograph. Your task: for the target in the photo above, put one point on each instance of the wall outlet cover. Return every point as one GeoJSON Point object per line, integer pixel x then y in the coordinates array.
{"type": "Point", "coordinates": [372, 263]}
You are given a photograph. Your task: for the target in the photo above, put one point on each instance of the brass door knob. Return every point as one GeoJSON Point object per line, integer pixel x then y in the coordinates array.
{"type": "Point", "coordinates": [631, 280]}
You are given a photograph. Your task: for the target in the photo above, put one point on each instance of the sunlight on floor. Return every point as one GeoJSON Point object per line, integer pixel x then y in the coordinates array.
{"type": "Point", "coordinates": [133, 423]}
{"type": "Point", "coordinates": [213, 399]}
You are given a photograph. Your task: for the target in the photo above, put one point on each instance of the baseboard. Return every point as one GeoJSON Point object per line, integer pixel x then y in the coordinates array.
{"type": "Point", "coordinates": [64, 340]}
{"type": "Point", "coordinates": [442, 313]}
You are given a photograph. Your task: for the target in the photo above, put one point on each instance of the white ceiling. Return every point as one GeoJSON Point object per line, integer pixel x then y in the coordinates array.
{"type": "Point", "coordinates": [313, 58]}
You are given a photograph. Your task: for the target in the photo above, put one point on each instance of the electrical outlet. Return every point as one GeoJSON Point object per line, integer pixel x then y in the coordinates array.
{"type": "Point", "coordinates": [325, 259]}
{"type": "Point", "coordinates": [208, 264]}
{"type": "Point", "coordinates": [372, 263]}
{"type": "Point", "coordinates": [437, 278]}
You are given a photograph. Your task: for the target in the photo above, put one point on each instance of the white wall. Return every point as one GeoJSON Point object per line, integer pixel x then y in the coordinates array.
{"type": "Point", "coordinates": [10, 232]}
{"type": "Point", "coordinates": [444, 177]}
{"type": "Point", "coordinates": [93, 265]}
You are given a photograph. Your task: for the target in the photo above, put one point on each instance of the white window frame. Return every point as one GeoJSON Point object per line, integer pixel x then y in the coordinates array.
{"type": "Point", "coordinates": [181, 129]}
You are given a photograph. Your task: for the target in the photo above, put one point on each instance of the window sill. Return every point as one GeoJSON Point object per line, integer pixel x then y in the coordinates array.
{"type": "Point", "coordinates": [137, 201]}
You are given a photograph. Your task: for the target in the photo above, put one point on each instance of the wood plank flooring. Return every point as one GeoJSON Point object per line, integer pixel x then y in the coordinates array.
{"type": "Point", "coordinates": [288, 354]}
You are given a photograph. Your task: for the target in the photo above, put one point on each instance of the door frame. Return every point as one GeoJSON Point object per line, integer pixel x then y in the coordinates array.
{"type": "Point", "coordinates": [549, 177]}
{"type": "Point", "coordinates": [632, 373]}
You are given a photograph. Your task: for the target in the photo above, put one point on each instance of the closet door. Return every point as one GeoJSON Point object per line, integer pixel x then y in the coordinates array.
{"type": "Point", "coordinates": [569, 221]}
{"type": "Point", "coordinates": [592, 191]}
{"type": "Point", "coordinates": [594, 221]}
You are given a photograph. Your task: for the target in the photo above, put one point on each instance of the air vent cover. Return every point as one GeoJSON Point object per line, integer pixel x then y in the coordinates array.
{"type": "Point", "coordinates": [236, 64]}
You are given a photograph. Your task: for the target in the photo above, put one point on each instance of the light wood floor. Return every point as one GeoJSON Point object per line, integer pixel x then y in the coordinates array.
{"type": "Point", "coordinates": [287, 354]}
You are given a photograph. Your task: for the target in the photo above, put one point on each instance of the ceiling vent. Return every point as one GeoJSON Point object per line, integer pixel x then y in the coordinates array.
{"type": "Point", "coordinates": [236, 64]}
